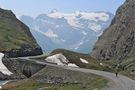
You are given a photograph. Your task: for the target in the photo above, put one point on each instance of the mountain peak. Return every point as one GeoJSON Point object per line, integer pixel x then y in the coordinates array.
{"type": "Point", "coordinates": [77, 12]}
{"type": "Point", "coordinates": [54, 11]}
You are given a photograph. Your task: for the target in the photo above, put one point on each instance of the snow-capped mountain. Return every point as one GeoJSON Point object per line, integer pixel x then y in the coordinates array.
{"type": "Point", "coordinates": [73, 31]}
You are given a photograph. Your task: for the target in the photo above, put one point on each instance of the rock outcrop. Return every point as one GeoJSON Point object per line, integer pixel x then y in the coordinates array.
{"type": "Point", "coordinates": [118, 41]}
{"type": "Point", "coordinates": [23, 51]}
{"type": "Point", "coordinates": [55, 75]}
{"type": "Point", "coordinates": [20, 68]}
{"type": "Point", "coordinates": [15, 37]}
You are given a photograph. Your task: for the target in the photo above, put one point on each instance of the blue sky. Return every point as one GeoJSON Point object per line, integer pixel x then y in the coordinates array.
{"type": "Point", "coordinates": [35, 7]}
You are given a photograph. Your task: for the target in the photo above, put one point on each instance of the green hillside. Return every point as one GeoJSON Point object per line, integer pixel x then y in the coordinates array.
{"type": "Point", "coordinates": [15, 37]}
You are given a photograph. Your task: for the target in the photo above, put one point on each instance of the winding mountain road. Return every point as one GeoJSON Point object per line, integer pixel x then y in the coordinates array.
{"type": "Point", "coordinates": [118, 83]}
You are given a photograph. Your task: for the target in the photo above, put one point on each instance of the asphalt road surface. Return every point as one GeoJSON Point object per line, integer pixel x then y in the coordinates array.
{"type": "Point", "coordinates": [118, 83]}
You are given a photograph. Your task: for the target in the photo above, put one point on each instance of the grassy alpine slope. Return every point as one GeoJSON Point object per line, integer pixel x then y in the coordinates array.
{"type": "Point", "coordinates": [90, 82]}
{"type": "Point", "coordinates": [13, 33]}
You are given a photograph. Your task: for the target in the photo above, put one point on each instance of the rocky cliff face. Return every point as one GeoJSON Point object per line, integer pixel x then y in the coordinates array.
{"type": "Point", "coordinates": [15, 37]}
{"type": "Point", "coordinates": [118, 41]}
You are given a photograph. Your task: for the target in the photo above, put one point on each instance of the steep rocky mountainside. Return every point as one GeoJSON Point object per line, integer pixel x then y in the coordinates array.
{"type": "Point", "coordinates": [15, 37]}
{"type": "Point", "coordinates": [118, 41]}
{"type": "Point", "coordinates": [73, 31]}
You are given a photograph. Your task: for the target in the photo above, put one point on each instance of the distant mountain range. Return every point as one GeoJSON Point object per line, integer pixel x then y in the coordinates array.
{"type": "Point", "coordinates": [73, 31]}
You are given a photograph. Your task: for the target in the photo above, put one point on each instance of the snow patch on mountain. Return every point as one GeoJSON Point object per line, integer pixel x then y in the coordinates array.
{"type": "Point", "coordinates": [72, 65]}
{"type": "Point", "coordinates": [48, 33]}
{"type": "Point", "coordinates": [95, 27]}
{"type": "Point", "coordinates": [74, 21]}
{"type": "Point", "coordinates": [84, 61]}
{"type": "Point", "coordinates": [60, 59]}
{"type": "Point", "coordinates": [51, 34]}
{"type": "Point", "coordinates": [3, 68]}
{"type": "Point", "coordinates": [84, 33]}
{"type": "Point", "coordinates": [84, 15]}
{"type": "Point", "coordinates": [58, 26]}
{"type": "Point", "coordinates": [95, 16]}
{"type": "Point", "coordinates": [99, 34]}
{"type": "Point", "coordinates": [78, 45]}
